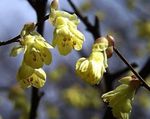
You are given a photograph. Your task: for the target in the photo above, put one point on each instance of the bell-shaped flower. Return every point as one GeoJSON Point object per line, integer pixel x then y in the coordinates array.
{"type": "Point", "coordinates": [27, 76]}
{"type": "Point", "coordinates": [66, 35]}
{"type": "Point", "coordinates": [91, 69]}
{"type": "Point", "coordinates": [120, 99]}
{"type": "Point", "coordinates": [35, 47]}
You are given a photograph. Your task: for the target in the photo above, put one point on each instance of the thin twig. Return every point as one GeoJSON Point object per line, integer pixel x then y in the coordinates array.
{"type": "Point", "coordinates": [15, 39]}
{"type": "Point", "coordinates": [132, 69]}
{"type": "Point", "coordinates": [94, 29]}
{"type": "Point", "coordinates": [90, 28]}
{"type": "Point", "coordinates": [10, 41]}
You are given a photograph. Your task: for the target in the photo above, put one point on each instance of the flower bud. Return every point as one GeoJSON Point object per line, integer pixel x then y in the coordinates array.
{"type": "Point", "coordinates": [54, 4]}
{"type": "Point", "coordinates": [110, 49]}
{"type": "Point", "coordinates": [111, 40]}
{"type": "Point", "coordinates": [29, 27]}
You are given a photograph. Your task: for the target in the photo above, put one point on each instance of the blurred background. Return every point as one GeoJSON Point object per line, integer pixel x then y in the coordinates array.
{"type": "Point", "coordinates": [66, 96]}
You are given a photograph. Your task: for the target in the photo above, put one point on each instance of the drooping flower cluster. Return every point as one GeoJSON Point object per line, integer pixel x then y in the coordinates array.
{"type": "Point", "coordinates": [91, 69]}
{"type": "Point", "coordinates": [36, 54]}
{"type": "Point", "coordinates": [36, 49]}
{"type": "Point", "coordinates": [120, 99]}
{"type": "Point", "coordinates": [66, 36]}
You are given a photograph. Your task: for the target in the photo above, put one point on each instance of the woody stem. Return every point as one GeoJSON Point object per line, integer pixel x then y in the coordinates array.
{"type": "Point", "coordinates": [132, 69]}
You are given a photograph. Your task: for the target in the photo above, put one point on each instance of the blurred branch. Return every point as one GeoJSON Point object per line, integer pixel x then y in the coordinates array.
{"type": "Point", "coordinates": [36, 95]}
{"type": "Point", "coordinates": [116, 75]}
{"type": "Point", "coordinates": [94, 29]}
{"type": "Point", "coordinates": [108, 114]}
{"type": "Point", "coordinates": [95, 32]}
{"type": "Point", "coordinates": [145, 71]}
{"type": "Point", "coordinates": [4, 88]}
{"type": "Point", "coordinates": [143, 14]}
{"type": "Point", "coordinates": [33, 3]}
{"type": "Point", "coordinates": [123, 71]}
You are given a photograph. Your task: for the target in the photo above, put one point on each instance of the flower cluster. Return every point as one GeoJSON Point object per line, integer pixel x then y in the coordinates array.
{"type": "Point", "coordinates": [66, 35]}
{"type": "Point", "coordinates": [36, 49]}
{"type": "Point", "coordinates": [91, 69]}
{"type": "Point", "coordinates": [120, 99]}
{"type": "Point", "coordinates": [36, 54]}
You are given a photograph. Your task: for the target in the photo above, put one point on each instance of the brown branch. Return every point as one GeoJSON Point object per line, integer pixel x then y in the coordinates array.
{"type": "Point", "coordinates": [132, 69]}
{"type": "Point", "coordinates": [95, 32]}
{"type": "Point", "coordinates": [15, 39]}
{"type": "Point", "coordinates": [35, 99]}
{"type": "Point", "coordinates": [122, 71]}
{"type": "Point", "coordinates": [145, 72]}
{"type": "Point", "coordinates": [4, 88]}
{"type": "Point", "coordinates": [94, 29]}
{"type": "Point", "coordinates": [10, 41]}
{"type": "Point", "coordinates": [33, 3]}
{"type": "Point", "coordinates": [36, 95]}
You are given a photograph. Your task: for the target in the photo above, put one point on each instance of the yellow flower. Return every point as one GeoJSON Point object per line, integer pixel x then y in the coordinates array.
{"type": "Point", "coordinates": [91, 69]}
{"type": "Point", "coordinates": [37, 54]}
{"type": "Point", "coordinates": [66, 35]}
{"type": "Point", "coordinates": [28, 76]}
{"type": "Point", "coordinates": [35, 47]}
{"type": "Point", "coordinates": [120, 99]}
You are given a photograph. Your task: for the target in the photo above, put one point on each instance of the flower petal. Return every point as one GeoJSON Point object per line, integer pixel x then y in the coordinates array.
{"type": "Point", "coordinates": [32, 58]}
{"type": "Point", "coordinates": [63, 48]}
{"type": "Point", "coordinates": [46, 55]}
{"type": "Point", "coordinates": [24, 71]}
{"type": "Point", "coordinates": [16, 50]}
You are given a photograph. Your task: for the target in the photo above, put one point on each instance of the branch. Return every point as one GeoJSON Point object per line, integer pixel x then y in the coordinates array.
{"type": "Point", "coordinates": [132, 69]}
{"type": "Point", "coordinates": [10, 41]}
{"type": "Point", "coordinates": [32, 3]}
{"type": "Point", "coordinates": [35, 99]}
{"type": "Point", "coordinates": [121, 72]}
{"type": "Point", "coordinates": [4, 88]}
{"type": "Point", "coordinates": [145, 72]}
{"type": "Point", "coordinates": [15, 39]}
{"type": "Point", "coordinates": [36, 95]}
{"type": "Point", "coordinates": [94, 29]}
